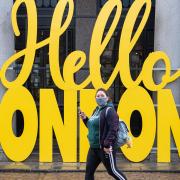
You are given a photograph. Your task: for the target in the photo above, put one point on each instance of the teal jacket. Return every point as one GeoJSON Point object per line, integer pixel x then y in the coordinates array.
{"type": "Point", "coordinates": [93, 125]}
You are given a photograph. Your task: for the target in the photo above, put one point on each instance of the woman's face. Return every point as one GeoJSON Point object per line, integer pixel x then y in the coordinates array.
{"type": "Point", "coordinates": [101, 98]}
{"type": "Point", "coordinates": [101, 94]}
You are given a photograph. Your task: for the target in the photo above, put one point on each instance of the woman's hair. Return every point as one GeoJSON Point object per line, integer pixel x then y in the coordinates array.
{"type": "Point", "coordinates": [106, 92]}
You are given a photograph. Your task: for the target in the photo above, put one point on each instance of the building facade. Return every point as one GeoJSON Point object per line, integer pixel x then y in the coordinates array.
{"type": "Point", "coordinates": [161, 33]}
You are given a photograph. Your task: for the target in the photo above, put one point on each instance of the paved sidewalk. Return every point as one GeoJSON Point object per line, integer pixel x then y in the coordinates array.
{"type": "Point", "coordinates": [80, 167]}
{"type": "Point", "coordinates": [32, 169]}
{"type": "Point", "coordinates": [80, 176]}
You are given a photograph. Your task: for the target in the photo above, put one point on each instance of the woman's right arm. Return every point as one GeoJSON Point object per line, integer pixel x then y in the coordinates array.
{"type": "Point", "coordinates": [83, 117]}
{"type": "Point", "coordinates": [85, 121]}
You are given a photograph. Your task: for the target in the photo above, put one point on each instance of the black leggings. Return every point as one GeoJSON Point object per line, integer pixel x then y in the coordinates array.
{"type": "Point", "coordinates": [95, 157]}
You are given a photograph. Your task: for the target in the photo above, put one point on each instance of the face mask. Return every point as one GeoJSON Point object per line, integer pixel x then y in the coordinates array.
{"type": "Point", "coordinates": [102, 101]}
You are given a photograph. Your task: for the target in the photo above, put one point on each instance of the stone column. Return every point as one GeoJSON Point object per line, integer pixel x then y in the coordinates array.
{"type": "Point", "coordinates": [86, 12]}
{"type": "Point", "coordinates": [6, 46]}
{"type": "Point", "coordinates": [167, 39]}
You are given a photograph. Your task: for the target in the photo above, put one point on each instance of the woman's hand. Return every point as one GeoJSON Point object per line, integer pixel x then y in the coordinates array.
{"type": "Point", "coordinates": [82, 115]}
{"type": "Point", "coordinates": [108, 150]}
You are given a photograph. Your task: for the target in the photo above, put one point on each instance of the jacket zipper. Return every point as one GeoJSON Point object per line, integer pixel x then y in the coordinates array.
{"type": "Point", "coordinates": [99, 131]}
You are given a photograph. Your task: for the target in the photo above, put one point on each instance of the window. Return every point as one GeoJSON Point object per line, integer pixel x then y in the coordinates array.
{"type": "Point", "coordinates": [109, 58]}
{"type": "Point", "coordinates": [40, 75]}
{"type": "Point", "coordinates": [125, 3]}
{"type": "Point", "coordinates": [143, 47]}
{"type": "Point", "coordinates": [46, 3]}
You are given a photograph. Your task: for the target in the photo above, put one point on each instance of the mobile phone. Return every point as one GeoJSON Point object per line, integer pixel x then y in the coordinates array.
{"type": "Point", "coordinates": [79, 110]}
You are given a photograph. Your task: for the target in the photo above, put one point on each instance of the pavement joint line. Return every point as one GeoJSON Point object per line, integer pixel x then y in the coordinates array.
{"type": "Point", "coordinates": [82, 171]}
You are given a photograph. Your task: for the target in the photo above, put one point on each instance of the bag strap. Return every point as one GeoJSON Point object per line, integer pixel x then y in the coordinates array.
{"type": "Point", "coordinates": [125, 126]}
{"type": "Point", "coordinates": [107, 111]}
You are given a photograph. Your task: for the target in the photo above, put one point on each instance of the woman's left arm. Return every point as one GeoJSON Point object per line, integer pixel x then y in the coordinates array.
{"type": "Point", "coordinates": [113, 121]}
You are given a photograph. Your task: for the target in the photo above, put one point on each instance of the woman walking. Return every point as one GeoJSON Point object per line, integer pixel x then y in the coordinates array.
{"type": "Point", "coordinates": [102, 133]}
